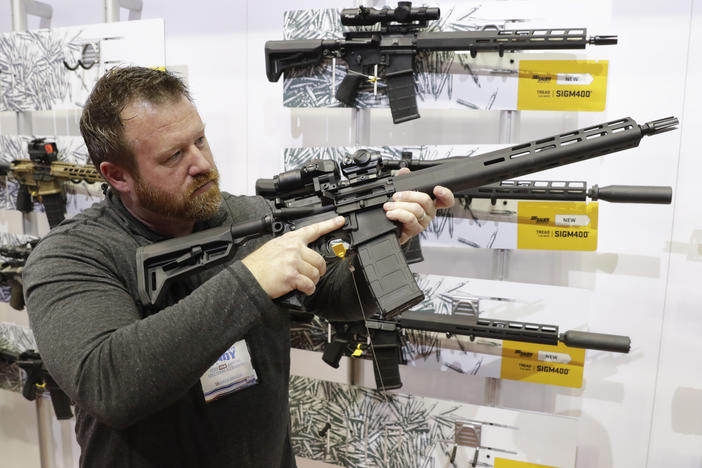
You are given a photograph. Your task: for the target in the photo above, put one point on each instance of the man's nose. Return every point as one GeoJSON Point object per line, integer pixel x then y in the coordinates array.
{"type": "Point", "coordinates": [199, 163]}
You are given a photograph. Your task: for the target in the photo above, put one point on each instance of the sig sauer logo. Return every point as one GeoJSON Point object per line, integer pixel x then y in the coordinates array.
{"type": "Point", "coordinates": [541, 78]}
{"type": "Point", "coordinates": [539, 220]}
{"type": "Point", "coordinates": [524, 354]}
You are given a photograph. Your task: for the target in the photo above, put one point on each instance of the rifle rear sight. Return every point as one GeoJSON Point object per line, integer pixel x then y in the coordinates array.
{"type": "Point", "coordinates": [404, 15]}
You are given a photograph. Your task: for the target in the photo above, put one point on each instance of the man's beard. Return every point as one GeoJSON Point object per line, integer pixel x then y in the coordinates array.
{"type": "Point", "coordinates": [183, 205]}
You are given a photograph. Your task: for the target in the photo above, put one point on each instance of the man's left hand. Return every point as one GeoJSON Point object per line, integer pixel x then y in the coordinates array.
{"type": "Point", "coordinates": [415, 210]}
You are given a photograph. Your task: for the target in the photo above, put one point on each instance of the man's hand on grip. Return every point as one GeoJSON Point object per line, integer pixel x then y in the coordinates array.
{"type": "Point", "coordinates": [286, 263]}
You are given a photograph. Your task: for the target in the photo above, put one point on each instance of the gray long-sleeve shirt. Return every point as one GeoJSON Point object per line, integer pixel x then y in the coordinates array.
{"type": "Point", "coordinates": [135, 376]}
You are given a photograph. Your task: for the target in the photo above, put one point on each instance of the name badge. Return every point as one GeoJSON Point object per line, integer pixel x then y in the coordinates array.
{"type": "Point", "coordinates": [231, 372]}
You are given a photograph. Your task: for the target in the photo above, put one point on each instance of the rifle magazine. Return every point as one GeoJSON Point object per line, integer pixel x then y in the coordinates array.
{"type": "Point", "coordinates": [387, 286]}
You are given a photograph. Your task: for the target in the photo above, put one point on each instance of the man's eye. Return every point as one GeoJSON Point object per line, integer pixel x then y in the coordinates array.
{"type": "Point", "coordinates": [200, 141]}
{"type": "Point", "coordinates": [175, 155]}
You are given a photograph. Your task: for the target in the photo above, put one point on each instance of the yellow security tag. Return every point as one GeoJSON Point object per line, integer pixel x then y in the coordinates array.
{"type": "Point", "coordinates": [339, 250]}
{"type": "Point", "coordinates": [358, 352]}
{"type": "Point", "coordinates": [565, 85]}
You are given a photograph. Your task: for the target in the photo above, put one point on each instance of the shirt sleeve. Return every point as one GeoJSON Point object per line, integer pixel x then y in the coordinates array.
{"type": "Point", "coordinates": [117, 364]}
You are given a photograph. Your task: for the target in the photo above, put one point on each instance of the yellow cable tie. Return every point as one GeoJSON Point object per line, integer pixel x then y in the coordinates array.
{"type": "Point", "coordinates": [358, 352]}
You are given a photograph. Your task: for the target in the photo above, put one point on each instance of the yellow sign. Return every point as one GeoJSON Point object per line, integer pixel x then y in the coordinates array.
{"type": "Point", "coordinates": [564, 85]}
{"type": "Point", "coordinates": [544, 364]}
{"type": "Point", "coordinates": [557, 225]}
{"type": "Point", "coordinates": [504, 463]}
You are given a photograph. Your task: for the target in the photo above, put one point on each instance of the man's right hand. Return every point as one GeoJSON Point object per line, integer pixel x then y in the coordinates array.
{"type": "Point", "coordinates": [286, 263]}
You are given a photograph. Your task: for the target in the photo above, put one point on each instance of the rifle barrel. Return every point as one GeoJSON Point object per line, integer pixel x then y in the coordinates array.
{"type": "Point", "coordinates": [632, 194]}
{"type": "Point", "coordinates": [534, 156]}
{"type": "Point", "coordinates": [512, 39]}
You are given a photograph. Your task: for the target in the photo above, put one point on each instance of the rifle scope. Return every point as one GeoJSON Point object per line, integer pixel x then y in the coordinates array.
{"type": "Point", "coordinates": [296, 179]}
{"type": "Point", "coordinates": [404, 14]}
{"type": "Point", "coordinates": [41, 151]}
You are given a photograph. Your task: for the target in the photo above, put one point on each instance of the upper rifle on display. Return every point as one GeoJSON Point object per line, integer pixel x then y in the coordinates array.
{"type": "Point", "coordinates": [368, 240]}
{"type": "Point", "coordinates": [395, 46]}
{"type": "Point", "coordinates": [41, 179]}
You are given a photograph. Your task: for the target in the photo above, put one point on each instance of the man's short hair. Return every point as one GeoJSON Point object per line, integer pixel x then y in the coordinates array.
{"type": "Point", "coordinates": [101, 124]}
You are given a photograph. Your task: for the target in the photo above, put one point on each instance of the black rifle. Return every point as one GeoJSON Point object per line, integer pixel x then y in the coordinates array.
{"type": "Point", "coordinates": [38, 380]}
{"type": "Point", "coordinates": [11, 270]}
{"type": "Point", "coordinates": [364, 162]}
{"type": "Point", "coordinates": [41, 179]}
{"type": "Point", "coordinates": [385, 337]}
{"type": "Point", "coordinates": [386, 285]}
{"type": "Point", "coordinates": [317, 192]}
{"type": "Point", "coordinates": [395, 46]}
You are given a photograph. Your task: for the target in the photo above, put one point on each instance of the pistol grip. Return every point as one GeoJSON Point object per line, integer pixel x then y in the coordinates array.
{"type": "Point", "coordinates": [348, 88]}
{"type": "Point", "coordinates": [293, 301]}
{"type": "Point", "coordinates": [55, 207]}
{"type": "Point", "coordinates": [16, 295]}
{"type": "Point", "coordinates": [24, 201]}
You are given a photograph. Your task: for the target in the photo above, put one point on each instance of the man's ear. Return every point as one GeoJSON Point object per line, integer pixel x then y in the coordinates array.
{"type": "Point", "coordinates": [118, 177]}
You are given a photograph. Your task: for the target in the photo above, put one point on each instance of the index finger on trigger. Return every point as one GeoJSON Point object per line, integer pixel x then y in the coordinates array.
{"type": "Point", "coordinates": [314, 231]}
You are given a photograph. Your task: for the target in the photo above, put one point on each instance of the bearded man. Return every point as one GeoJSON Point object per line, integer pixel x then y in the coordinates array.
{"type": "Point", "coordinates": [141, 379]}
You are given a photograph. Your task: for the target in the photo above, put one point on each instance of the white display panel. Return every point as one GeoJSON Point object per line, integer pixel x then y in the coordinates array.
{"type": "Point", "coordinates": [37, 72]}
{"type": "Point", "coordinates": [636, 410]}
{"type": "Point", "coordinates": [364, 428]}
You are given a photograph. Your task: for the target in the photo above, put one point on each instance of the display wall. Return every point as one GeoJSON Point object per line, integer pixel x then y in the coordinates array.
{"type": "Point", "coordinates": [640, 409]}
